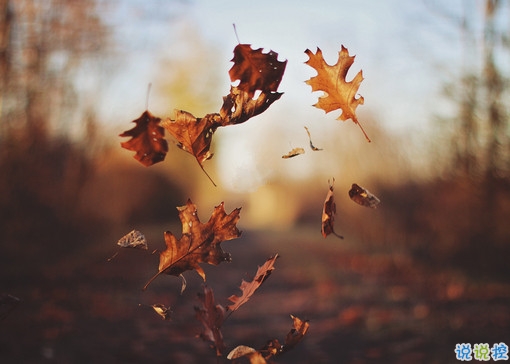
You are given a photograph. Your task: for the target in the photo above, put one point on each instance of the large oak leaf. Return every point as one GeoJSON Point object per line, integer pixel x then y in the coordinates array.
{"type": "Point", "coordinates": [199, 243]}
{"type": "Point", "coordinates": [339, 93]}
{"type": "Point", "coordinates": [147, 140]}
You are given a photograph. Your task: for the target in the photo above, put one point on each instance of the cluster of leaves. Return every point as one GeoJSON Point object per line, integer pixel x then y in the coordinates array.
{"type": "Point", "coordinates": [261, 73]}
{"type": "Point", "coordinates": [255, 71]}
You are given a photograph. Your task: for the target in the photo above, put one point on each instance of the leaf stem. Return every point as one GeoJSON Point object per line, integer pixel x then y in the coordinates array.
{"type": "Point", "coordinates": [207, 174]}
{"type": "Point", "coordinates": [363, 130]}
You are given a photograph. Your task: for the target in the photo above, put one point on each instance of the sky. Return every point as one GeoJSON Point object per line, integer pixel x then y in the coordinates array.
{"type": "Point", "coordinates": [407, 50]}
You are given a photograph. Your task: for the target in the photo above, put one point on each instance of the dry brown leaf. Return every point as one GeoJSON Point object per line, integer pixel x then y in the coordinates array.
{"type": "Point", "coordinates": [199, 243]}
{"type": "Point", "coordinates": [212, 316]}
{"type": "Point", "coordinates": [293, 153]}
{"type": "Point", "coordinates": [147, 140]}
{"type": "Point", "coordinates": [314, 148]}
{"type": "Point", "coordinates": [256, 70]}
{"type": "Point", "coordinates": [363, 197]}
{"type": "Point", "coordinates": [273, 346]}
{"type": "Point", "coordinates": [328, 213]}
{"type": "Point", "coordinates": [339, 94]}
{"type": "Point", "coordinates": [249, 288]}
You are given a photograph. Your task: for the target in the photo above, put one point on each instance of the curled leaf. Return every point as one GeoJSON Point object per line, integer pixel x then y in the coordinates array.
{"type": "Point", "coordinates": [162, 311]}
{"type": "Point", "coordinates": [328, 213]}
{"type": "Point", "coordinates": [363, 197]}
{"type": "Point", "coordinates": [314, 148]}
{"type": "Point", "coordinates": [293, 153]}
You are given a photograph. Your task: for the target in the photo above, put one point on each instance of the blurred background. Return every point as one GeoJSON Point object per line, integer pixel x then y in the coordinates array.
{"type": "Point", "coordinates": [426, 270]}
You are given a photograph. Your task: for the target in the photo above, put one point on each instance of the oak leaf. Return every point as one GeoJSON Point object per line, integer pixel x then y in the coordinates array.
{"type": "Point", "coordinates": [363, 197]}
{"type": "Point", "coordinates": [199, 243]}
{"type": "Point", "coordinates": [193, 135]}
{"type": "Point", "coordinates": [256, 70]}
{"type": "Point", "coordinates": [328, 213]}
{"type": "Point", "coordinates": [249, 288]}
{"type": "Point", "coordinates": [147, 140]}
{"type": "Point", "coordinates": [212, 316]}
{"type": "Point", "coordinates": [339, 93]}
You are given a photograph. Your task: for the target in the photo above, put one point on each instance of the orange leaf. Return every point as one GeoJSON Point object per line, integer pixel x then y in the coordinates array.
{"type": "Point", "coordinates": [147, 140]}
{"type": "Point", "coordinates": [199, 243]}
{"type": "Point", "coordinates": [249, 288]}
{"type": "Point", "coordinates": [339, 94]}
{"type": "Point", "coordinates": [328, 214]}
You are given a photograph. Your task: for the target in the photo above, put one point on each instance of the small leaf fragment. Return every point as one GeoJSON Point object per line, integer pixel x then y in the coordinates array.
{"type": "Point", "coordinates": [162, 311]}
{"type": "Point", "coordinates": [293, 153]}
{"type": "Point", "coordinates": [363, 197]}
{"type": "Point", "coordinates": [314, 148]}
{"type": "Point", "coordinates": [134, 239]}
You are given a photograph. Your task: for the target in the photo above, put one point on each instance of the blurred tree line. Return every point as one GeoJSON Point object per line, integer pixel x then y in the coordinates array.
{"type": "Point", "coordinates": [460, 215]}
{"type": "Point", "coordinates": [42, 44]}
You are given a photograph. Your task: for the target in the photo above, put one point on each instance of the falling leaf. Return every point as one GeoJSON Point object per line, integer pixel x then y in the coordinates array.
{"type": "Point", "coordinates": [249, 288]}
{"type": "Point", "coordinates": [314, 148]}
{"type": "Point", "coordinates": [162, 311]}
{"type": "Point", "coordinates": [238, 106]}
{"type": "Point", "coordinates": [339, 94]}
{"type": "Point", "coordinates": [199, 243]}
{"type": "Point", "coordinates": [293, 153]}
{"type": "Point", "coordinates": [363, 197]}
{"type": "Point", "coordinates": [296, 334]}
{"type": "Point", "coordinates": [193, 135]}
{"type": "Point", "coordinates": [328, 213]}
{"type": "Point", "coordinates": [212, 316]}
{"type": "Point", "coordinates": [256, 70]}
{"type": "Point", "coordinates": [147, 140]}
{"type": "Point", "coordinates": [273, 346]}
{"type": "Point", "coordinates": [134, 239]}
